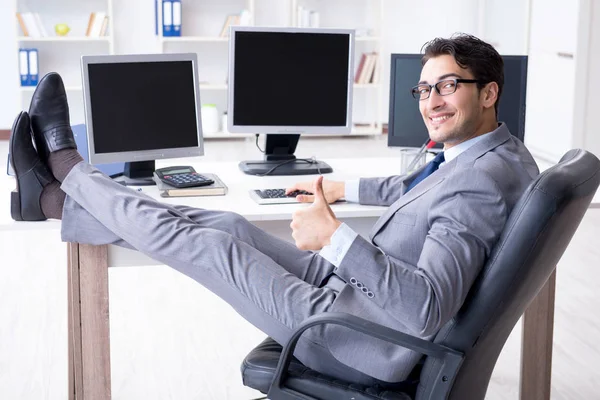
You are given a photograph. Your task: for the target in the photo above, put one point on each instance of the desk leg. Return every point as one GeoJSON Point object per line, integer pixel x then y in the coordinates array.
{"type": "Point", "coordinates": [536, 347]}
{"type": "Point", "coordinates": [89, 341]}
{"type": "Point", "coordinates": [74, 321]}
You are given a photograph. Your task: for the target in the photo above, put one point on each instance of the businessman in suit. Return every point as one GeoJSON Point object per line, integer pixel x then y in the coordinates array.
{"type": "Point", "coordinates": [413, 272]}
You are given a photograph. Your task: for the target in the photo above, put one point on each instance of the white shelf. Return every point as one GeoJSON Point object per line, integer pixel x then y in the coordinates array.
{"type": "Point", "coordinates": [64, 39]}
{"type": "Point", "coordinates": [195, 39]}
{"type": "Point", "coordinates": [366, 131]}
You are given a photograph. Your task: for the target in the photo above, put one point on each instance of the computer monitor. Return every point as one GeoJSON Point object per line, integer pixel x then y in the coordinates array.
{"type": "Point", "coordinates": [285, 82]}
{"type": "Point", "coordinates": [141, 108]}
{"type": "Point", "coordinates": [406, 126]}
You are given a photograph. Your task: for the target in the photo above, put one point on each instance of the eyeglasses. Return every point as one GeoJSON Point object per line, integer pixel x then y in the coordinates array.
{"type": "Point", "coordinates": [443, 88]}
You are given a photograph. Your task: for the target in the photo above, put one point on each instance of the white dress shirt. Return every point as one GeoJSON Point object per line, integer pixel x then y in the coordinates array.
{"type": "Point", "coordinates": [342, 238]}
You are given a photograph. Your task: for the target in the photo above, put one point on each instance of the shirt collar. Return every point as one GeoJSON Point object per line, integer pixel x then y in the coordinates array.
{"type": "Point", "coordinates": [455, 151]}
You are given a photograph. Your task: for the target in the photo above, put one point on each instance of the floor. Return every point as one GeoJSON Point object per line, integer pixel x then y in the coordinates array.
{"type": "Point", "coordinates": [40, 367]}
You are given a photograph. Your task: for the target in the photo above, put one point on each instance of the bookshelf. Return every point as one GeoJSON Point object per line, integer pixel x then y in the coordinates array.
{"type": "Point", "coordinates": [366, 17]}
{"type": "Point", "coordinates": [202, 24]}
{"type": "Point", "coordinates": [62, 53]}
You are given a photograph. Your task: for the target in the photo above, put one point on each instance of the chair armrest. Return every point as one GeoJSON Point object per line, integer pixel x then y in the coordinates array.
{"type": "Point", "coordinates": [451, 358]}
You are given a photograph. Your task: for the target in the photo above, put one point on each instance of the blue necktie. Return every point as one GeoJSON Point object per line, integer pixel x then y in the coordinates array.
{"type": "Point", "coordinates": [428, 170]}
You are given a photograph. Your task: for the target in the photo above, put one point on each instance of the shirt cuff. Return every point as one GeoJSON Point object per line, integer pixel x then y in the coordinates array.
{"type": "Point", "coordinates": [341, 240]}
{"type": "Point", "coordinates": [351, 192]}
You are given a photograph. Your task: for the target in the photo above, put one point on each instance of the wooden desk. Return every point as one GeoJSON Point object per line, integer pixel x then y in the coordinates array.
{"type": "Point", "coordinates": [89, 335]}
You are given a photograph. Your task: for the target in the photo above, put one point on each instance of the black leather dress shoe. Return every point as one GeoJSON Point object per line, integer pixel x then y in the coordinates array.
{"type": "Point", "coordinates": [49, 112]}
{"type": "Point", "coordinates": [31, 173]}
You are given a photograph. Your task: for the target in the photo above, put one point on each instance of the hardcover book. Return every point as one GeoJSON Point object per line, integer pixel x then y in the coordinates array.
{"type": "Point", "coordinates": [216, 189]}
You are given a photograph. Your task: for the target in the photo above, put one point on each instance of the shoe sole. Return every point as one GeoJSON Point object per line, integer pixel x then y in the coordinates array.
{"type": "Point", "coordinates": [15, 195]}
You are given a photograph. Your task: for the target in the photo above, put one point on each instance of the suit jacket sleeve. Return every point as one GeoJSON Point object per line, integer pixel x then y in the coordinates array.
{"type": "Point", "coordinates": [380, 191]}
{"type": "Point", "coordinates": [465, 221]}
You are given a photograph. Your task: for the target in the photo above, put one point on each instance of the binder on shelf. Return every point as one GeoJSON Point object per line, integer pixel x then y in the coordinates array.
{"type": "Point", "coordinates": [33, 67]}
{"type": "Point", "coordinates": [28, 67]}
{"type": "Point", "coordinates": [22, 24]}
{"type": "Point", "coordinates": [40, 25]}
{"type": "Point", "coordinates": [31, 25]}
{"type": "Point", "coordinates": [96, 24]}
{"type": "Point", "coordinates": [245, 18]}
{"type": "Point", "coordinates": [367, 71]}
{"type": "Point", "coordinates": [167, 18]}
{"type": "Point", "coordinates": [229, 21]}
{"type": "Point", "coordinates": [361, 66]}
{"type": "Point", "coordinates": [24, 67]}
{"type": "Point", "coordinates": [176, 15]}
{"type": "Point", "coordinates": [104, 26]}
{"type": "Point", "coordinates": [90, 23]}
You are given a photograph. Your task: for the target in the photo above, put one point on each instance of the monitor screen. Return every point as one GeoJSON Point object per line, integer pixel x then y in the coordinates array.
{"type": "Point", "coordinates": [141, 107]}
{"type": "Point", "coordinates": [406, 126]}
{"type": "Point", "coordinates": [287, 80]}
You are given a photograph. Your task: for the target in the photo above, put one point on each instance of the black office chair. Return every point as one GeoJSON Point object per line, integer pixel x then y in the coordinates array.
{"type": "Point", "coordinates": [459, 362]}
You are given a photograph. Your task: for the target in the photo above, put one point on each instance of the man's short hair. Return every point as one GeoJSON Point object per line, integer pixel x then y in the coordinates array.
{"type": "Point", "coordinates": [472, 53]}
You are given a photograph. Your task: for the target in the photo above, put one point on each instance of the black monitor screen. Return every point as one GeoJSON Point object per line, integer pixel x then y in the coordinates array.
{"type": "Point", "coordinates": [406, 126]}
{"type": "Point", "coordinates": [290, 79]}
{"type": "Point", "coordinates": [143, 106]}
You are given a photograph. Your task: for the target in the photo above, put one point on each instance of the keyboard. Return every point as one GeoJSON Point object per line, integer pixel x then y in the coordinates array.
{"type": "Point", "coordinates": [275, 196]}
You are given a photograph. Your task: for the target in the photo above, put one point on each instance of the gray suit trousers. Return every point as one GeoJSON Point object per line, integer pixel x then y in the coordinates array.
{"type": "Point", "coordinates": [268, 281]}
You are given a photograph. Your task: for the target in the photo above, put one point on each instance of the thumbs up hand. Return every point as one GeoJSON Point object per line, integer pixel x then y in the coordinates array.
{"type": "Point", "coordinates": [332, 190]}
{"type": "Point", "coordinates": [313, 226]}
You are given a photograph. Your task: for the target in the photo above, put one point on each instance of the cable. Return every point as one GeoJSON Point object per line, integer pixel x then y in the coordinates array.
{"type": "Point", "coordinates": [306, 160]}
{"type": "Point", "coordinates": [259, 149]}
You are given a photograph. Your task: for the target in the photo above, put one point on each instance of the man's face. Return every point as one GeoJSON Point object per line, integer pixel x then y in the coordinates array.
{"type": "Point", "coordinates": [453, 118]}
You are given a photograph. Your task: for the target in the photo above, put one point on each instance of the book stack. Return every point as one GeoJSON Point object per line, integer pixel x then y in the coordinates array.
{"type": "Point", "coordinates": [218, 188]}
{"type": "Point", "coordinates": [31, 25]}
{"type": "Point", "coordinates": [28, 67]}
{"type": "Point", "coordinates": [171, 17]}
{"type": "Point", "coordinates": [368, 69]}
{"type": "Point", "coordinates": [97, 24]}
{"type": "Point", "coordinates": [243, 19]}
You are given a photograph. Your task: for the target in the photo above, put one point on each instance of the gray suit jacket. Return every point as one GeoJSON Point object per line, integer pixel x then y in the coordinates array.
{"type": "Point", "coordinates": [425, 252]}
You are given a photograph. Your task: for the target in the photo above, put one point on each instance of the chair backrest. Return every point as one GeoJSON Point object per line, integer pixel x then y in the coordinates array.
{"type": "Point", "coordinates": [537, 233]}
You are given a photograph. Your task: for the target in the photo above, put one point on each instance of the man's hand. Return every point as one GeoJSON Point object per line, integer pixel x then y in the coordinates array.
{"type": "Point", "coordinates": [312, 227]}
{"type": "Point", "coordinates": [332, 191]}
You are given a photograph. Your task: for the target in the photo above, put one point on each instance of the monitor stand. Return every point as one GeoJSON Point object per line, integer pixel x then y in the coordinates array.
{"type": "Point", "coordinates": [280, 159]}
{"type": "Point", "coordinates": [138, 173]}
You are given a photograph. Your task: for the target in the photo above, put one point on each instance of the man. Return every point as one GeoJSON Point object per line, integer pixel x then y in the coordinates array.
{"type": "Point", "coordinates": [412, 275]}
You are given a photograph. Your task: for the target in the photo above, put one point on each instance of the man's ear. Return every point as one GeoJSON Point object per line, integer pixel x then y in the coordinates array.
{"type": "Point", "coordinates": [490, 95]}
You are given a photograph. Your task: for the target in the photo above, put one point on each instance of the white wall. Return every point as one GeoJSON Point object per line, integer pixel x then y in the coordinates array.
{"type": "Point", "coordinates": [409, 24]}
{"type": "Point", "coordinates": [505, 25]}
{"type": "Point", "coordinates": [590, 128]}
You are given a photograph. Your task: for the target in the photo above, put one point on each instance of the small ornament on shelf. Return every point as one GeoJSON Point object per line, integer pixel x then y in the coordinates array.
{"type": "Point", "coordinates": [61, 29]}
